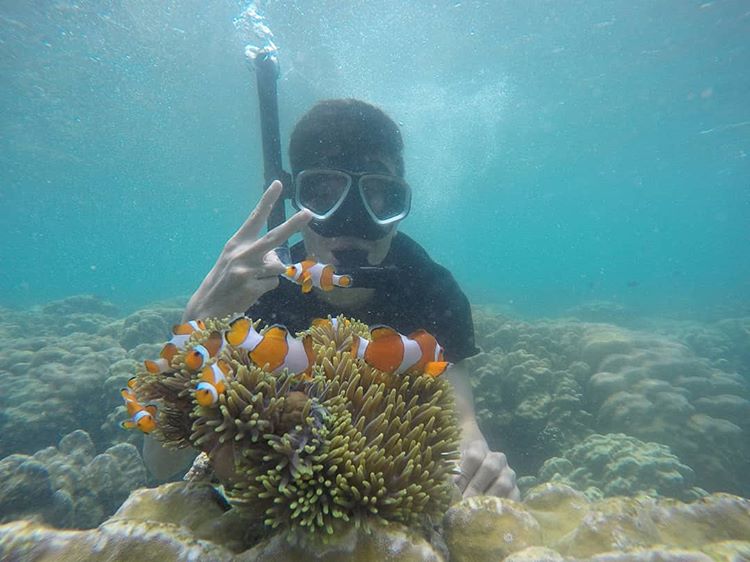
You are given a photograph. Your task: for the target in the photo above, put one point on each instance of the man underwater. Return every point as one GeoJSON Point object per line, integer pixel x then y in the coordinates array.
{"type": "Point", "coordinates": [348, 170]}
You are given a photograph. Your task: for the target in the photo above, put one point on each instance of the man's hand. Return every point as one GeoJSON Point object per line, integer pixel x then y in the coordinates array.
{"type": "Point", "coordinates": [485, 472]}
{"type": "Point", "coordinates": [247, 266]}
{"type": "Point", "coordinates": [482, 471]}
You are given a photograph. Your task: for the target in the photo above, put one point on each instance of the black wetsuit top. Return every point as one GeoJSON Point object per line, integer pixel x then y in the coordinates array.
{"type": "Point", "coordinates": [427, 297]}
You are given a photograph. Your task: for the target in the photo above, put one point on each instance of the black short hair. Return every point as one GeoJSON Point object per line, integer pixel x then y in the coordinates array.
{"type": "Point", "coordinates": [344, 130]}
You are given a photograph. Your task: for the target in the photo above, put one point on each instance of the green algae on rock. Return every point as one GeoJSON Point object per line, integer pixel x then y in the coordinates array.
{"type": "Point", "coordinates": [346, 444]}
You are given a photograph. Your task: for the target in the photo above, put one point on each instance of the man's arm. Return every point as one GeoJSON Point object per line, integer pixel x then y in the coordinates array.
{"type": "Point", "coordinates": [483, 472]}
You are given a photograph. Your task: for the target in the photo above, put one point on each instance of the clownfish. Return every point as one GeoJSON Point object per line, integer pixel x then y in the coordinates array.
{"type": "Point", "coordinates": [213, 383]}
{"type": "Point", "coordinates": [335, 323]}
{"type": "Point", "coordinates": [180, 336]}
{"type": "Point", "coordinates": [395, 353]}
{"type": "Point", "coordinates": [276, 348]}
{"type": "Point", "coordinates": [141, 417]}
{"type": "Point", "coordinates": [201, 353]}
{"type": "Point", "coordinates": [310, 273]}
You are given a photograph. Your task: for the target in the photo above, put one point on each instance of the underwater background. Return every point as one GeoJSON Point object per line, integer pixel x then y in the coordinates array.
{"type": "Point", "coordinates": [581, 167]}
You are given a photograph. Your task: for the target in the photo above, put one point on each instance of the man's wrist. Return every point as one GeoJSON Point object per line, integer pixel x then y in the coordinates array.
{"type": "Point", "coordinates": [470, 431]}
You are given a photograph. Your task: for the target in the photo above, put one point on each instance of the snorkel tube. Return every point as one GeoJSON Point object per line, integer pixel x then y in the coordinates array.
{"type": "Point", "coordinates": [267, 73]}
{"type": "Point", "coordinates": [266, 66]}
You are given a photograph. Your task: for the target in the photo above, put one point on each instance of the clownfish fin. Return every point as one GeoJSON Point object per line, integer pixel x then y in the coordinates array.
{"type": "Point", "coordinates": [131, 383]}
{"type": "Point", "coordinates": [436, 368]}
{"type": "Point", "coordinates": [240, 320]}
{"type": "Point", "coordinates": [321, 322]}
{"type": "Point", "coordinates": [344, 281]}
{"type": "Point", "coordinates": [151, 409]}
{"type": "Point", "coordinates": [382, 331]}
{"type": "Point", "coordinates": [127, 425]}
{"type": "Point", "coordinates": [127, 393]}
{"type": "Point", "coordinates": [417, 333]}
{"type": "Point", "coordinates": [182, 329]}
{"type": "Point", "coordinates": [168, 351]}
{"type": "Point", "coordinates": [214, 343]}
{"type": "Point", "coordinates": [307, 283]}
{"type": "Point", "coordinates": [307, 345]}
{"type": "Point", "coordinates": [277, 331]}
{"type": "Point", "coordinates": [224, 367]}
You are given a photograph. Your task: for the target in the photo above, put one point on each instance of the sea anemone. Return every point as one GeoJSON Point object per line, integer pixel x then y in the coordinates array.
{"type": "Point", "coordinates": [313, 452]}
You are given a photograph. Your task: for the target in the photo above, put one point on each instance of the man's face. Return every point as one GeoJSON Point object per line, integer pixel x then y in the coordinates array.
{"type": "Point", "coordinates": [323, 249]}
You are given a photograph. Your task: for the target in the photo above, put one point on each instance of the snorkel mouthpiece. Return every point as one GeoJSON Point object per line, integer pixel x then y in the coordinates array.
{"type": "Point", "coordinates": [354, 263]}
{"type": "Point", "coordinates": [351, 258]}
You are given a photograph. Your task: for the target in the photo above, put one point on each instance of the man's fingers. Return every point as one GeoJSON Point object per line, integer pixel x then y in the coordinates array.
{"type": "Point", "coordinates": [276, 237]}
{"type": "Point", "coordinates": [257, 219]}
{"type": "Point", "coordinates": [505, 487]}
{"type": "Point", "coordinates": [485, 475]}
{"type": "Point", "coordinates": [471, 460]}
{"type": "Point", "coordinates": [272, 266]}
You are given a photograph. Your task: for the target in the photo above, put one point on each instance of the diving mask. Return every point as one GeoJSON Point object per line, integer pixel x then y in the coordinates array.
{"type": "Point", "coordinates": [337, 199]}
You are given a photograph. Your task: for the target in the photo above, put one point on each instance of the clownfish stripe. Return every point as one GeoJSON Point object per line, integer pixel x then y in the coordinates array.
{"type": "Point", "coordinates": [204, 387]}
{"type": "Point", "coordinates": [179, 340]}
{"type": "Point", "coordinates": [138, 416]}
{"type": "Point", "coordinates": [203, 352]}
{"type": "Point", "coordinates": [412, 354]}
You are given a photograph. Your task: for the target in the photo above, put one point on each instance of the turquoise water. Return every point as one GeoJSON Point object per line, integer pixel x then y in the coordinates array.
{"type": "Point", "coordinates": [581, 167]}
{"type": "Point", "coordinates": [560, 152]}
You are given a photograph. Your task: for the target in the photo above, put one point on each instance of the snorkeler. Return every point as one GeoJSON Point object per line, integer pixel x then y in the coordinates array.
{"type": "Point", "coordinates": [350, 192]}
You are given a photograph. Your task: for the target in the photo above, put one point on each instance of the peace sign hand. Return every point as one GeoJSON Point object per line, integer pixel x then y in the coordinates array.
{"type": "Point", "coordinates": [247, 267]}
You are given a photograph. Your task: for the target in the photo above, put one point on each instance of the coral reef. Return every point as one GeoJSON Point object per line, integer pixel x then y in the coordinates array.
{"type": "Point", "coordinates": [542, 388]}
{"type": "Point", "coordinates": [656, 389]}
{"type": "Point", "coordinates": [616, 464]}
{"type": "Point", "coordinates": [601, 311]}
{"type": "Point", "coordinates": [726, 342]}
{"type": "Point", "coordinates": [69, 486]}
{"type": "Point", "coordinates": [62, 378]}
{"type": "Point", "coordinates": [661, 410]}
{"type": "Point", "coordinates": [308, 453]}
{"type": "Point", "coordinates": [182, 521]}
{"type": "Point", "coordinates": [529, 389]}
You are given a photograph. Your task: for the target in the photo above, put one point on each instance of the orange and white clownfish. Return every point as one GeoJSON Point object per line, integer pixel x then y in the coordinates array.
{"type": "Point", "coordinates": [213, 383]}
{"type": "Point", "coordinates": [141, 417]}
{"type": "Point", "coordinates": [201, 353]}
{"type": "Point", "coordinates": [396, 353]}
{"type": "Point", "coordinates": [333, 322]}
{"type": "Point", "coordinates": [276, 347]}
{"type": "Point", "coordinates": [180, 336]}
{"type": "Point", "coordinates": [310, 273]}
